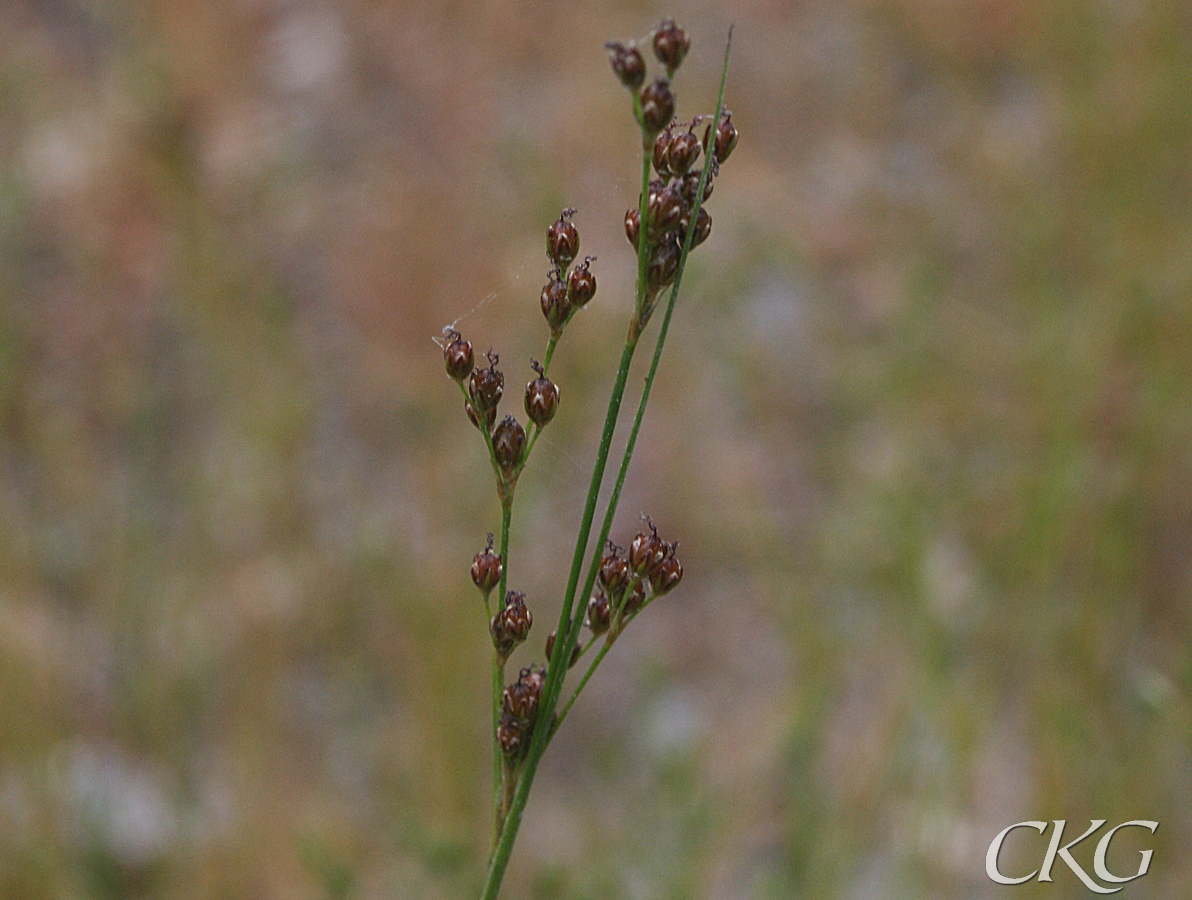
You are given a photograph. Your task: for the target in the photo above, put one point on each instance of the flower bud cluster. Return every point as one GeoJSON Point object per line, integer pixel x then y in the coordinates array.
{"type": "Point", "coordinates": [519, 711]}
{"type": "Point", "coordinates": [628, 580]}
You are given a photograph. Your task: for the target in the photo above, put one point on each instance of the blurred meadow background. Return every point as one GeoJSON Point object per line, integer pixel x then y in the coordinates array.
{"type": "Point", "coordinates": [924, 428]}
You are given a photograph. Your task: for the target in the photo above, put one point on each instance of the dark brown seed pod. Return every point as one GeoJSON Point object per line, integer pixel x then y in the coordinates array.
{"type": "Point", "coordinates": [555, 306]}
{"type": "Point", "coordinates": [542, 397]}
{"type": "Point", "coordinates": [627, 63]}
{"type": "Point", "coordinates": [509, 439]}
{"type": "Point", "coordinates": [726, 137]}
{"type": "Point", "coordinates": [520, 701]}
{"type": "Point", "coordinates": [550, 647]}
{"type": "Point", "coordinates": [682, 152]}
{"type": "Point", "coordinates": [509, 736]}
{"type": "Point", "coordinates": [486, 568]}
{"type": "Point", "coordinates": [614, 571]}
{"type": "Point", "coordinates": [633, 224]}
{"type": "Point", "coordinates": [658, 106]}
{"type": "Point", "coordinates": [663, 265]}
{"type": "Point", "coordinates": [661, 147]}
{"type": "Point", "coordinates": [599, 614]}
{"type": "Point", "coordinates": [490, 417]}
{"type": "Point", "coordinates": [581, 283]}
{"type": "Point", "coordinates": [703, 227]}
{"type": "Point", "coordinates": [668, 574]}
{"type": "Point", "coordinates": [562, 239]}
{"type": "Point", "coordinates": [457, 356]}
{"type": "Point", "coordinates": [647, 551]}
{"type": "Point", "coordinates": [634, 600]}
{"type": "Point", "coordinates": [511, 625]}
{"type": "Point", "coordinates": [485, 386]}
{"type": "Point", "coordinates": [690, 187]}
{"type": "Point", "coordinates": [665, 207]}
{"type": "Point", "coordinates": [671, 44]}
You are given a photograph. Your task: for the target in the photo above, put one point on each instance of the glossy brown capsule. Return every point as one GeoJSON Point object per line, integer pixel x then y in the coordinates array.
{"type": "Point", "coordinates": [599, 614]}
{"type": "Point", "coordinates": [633, 224]}
{"type": "Point", "coordinates": [486, 568]}
{"type": "Point", "coordinates": [581, 284]}
{"type": "Point", "coordinates": [511, 625]}
{"type": "Point", "coordinates": [647, 551]}
{"type": "Point", "coordinates": [668, 574]}
{"type": "Point", "coordinates": [689, 188]}
{"type": "Point", "coordinates": [490, 417]}
{"type": "Point", "coordinates": [634, 600]}
{"type": "Point", "coordinates": [614, 573]}
{"type": "Point", "coordinates": [661, 147]}
{"type": "Point", "coordinates": [658, 106]}
{"type": "Point", "coordinates": [665, 206]}
{"type": "Point", "coordinates": [457, 356]}
{"type": "Point", "coordinates": [555, 306]}
{"type": "Point", "coordinates": [542, 397]}
{"type": "Point", "coordinates": [509, 439]}
{"type": "Point", "coordinates": [726, 137]}
{"type": "Point", "coordinates": [562, 239]}
{"type": "Point", "coordinates": [485, 386]}
{"type": "Point", "coordinates": [520, 701]}
{"type": "Point", "coordinates": [627, 63]}
{"type": "Point", "coordinates": [671, 44]}
{"type": "Point", "coordinates": [682, 152]}
{"type": "Point", "coordinates": [703, 227]}
{"type": "Point", "coordinates": [663, 265]}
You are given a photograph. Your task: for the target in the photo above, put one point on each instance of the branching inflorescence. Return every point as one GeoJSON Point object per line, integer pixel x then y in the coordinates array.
{"type": "Point", "coordinates": [668, 222]}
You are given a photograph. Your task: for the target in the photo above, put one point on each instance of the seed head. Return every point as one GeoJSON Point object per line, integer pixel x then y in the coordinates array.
{"type": "Point", "coordinates": [555, 307]}
{"type": "Point", "coordinates": [485, 386]}
{"type": "Point", "coordinates": [664, 205]}
{"type": "Point", "coordinates": [542, 397]}
{"type": "Point", "coordinates": [703, 227]}
{"type": "Point", "coordinates": [663, 265]}
{"type": "Point", "coordinates": [509, 438]}
{"type": "Point", "coordinates": [661, 149]}
{"type": "Point", "coordinates": [669, 572]}
{"type": "Point", "coordinates": [647, 551]}
{"type": "Point", "coordinates": [682, 152]}
{"type": "Point", "coordinates": [581, 283]}
{"type": "Point", "coordinates": [599, 613]}
{"type": "Point", "coordinates": [627, 64]}
{"type": "Point", "coordinates": [726, 137]}
{"type": "Point", "coordinates": [670, 44]}
{"type": "Point", "coordinates": [690, 187]}
{"type": "Point", "coordinates": [486, 568]}
{"type": "Point", "coordinates": [658, 106]}
{"type": "Point", "coordinates": [457, 356]}
{"type": "Point", "coordinates": [614, 571]}
{"type": "Point", "coordinates": [633, 224]}
{"type": "Point", "coordinates": [511, 625]}
{"type": "Point", "coordinates": [562, 239]}
{"type": "Point", "coordinates": [520, 699]}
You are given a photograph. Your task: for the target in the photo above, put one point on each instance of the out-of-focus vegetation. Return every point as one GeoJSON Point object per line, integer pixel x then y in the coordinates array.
{"type": "Point", "coordinates": [925, 432]}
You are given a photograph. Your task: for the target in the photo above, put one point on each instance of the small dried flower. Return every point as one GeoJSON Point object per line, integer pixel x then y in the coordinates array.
{"type": "Point", "coordinates": [490, 417]}
{"type": "Point", "coordinates": [658, 106]}
{"type": "Point", "coordinates": [690, 187]}
{"type": "Point", "coordinates": [555, 306]}
{"type": "Point", "coordinates": [614, 571]}
{"type": "Point", "coordinates": [663, 265]}
{"type": "Point", "coordinates": [703, 227]}
{"type": "Point", "coordinates": [457, 356]}
{"type": "Point", "coordinates": [542, 397]}
{"type": "Point", "coordinates": [633, 224]}
{"type": "Point", "coordinates": [670, 44]}
{"type": "Point", "coordinates": [486, 568]}
{"type": "Point", "coordinates": [509, 736]}
{"type": "Point", "coordinates": [486, 386]}
{"type": "Point", "coordinates": [509, 439]}
{"type": "Point", "coordinates": [669, 572]}
{"type": "Point", "coordinates": [562, 239]}
{"type": "Point", "coordinates": [664, 207]}
{"type": "Point", "coordinates": [682, 152]}
{"type": "Point", "coordinates": [581, 284]}
{"type": "Point", "coordinates": [647, 551]}
{"type": "Point", "coordinates": [627, 64]}
{"type": "Point", "coordinates": [511, 625]}
{"type": "Point", "coordinates": [726, 137]}
{"type": "Point", "coordinates": [661, 148]}
{"type": "Point", "coordinates": [599, 614]}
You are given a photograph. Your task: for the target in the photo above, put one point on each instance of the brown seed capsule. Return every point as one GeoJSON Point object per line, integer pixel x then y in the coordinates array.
{"type": "Point", "coordinates": [485, 386]}
{"type": "Point", "coordinates": [682, 152]}
{"type": "Point", "coordinates": [511, 625]}
{"type": "Point", "coordinates": [633, 224]}
{"type": "Point", "coordinates": [520, 701]}
{"type": "Point", "coordinates": [647, 551]}
{"type": "Point", "coordinates": [634, 600]}
{"type": "Point", "coordinates": [658, 106]}
{"type": "Point", "coordinates": [509, 439]}
{"type": "Point", "coordinates": [671, 44]}
{"type": "Point", "coordinates": [690, 187]}
{"type": "Point", "coordinates": [457, 356]}
{"type": "Point", "coordinates": [661, 146]}
{"type": "Point", "coordinates": [614, 571]}
{"type": "Point", "coordinates": [703, 227]}
{"type": "Point", "coordinates": [581, 284]}
{"type": "Point", "coordinates": [726, 137]}
{"type": "Point", "coordinates": [668, 574]}
{"type": "Point", "coordinates": [665, 206]}
{"type": "Point", "coordinates": [550, 647]}
{"type": "Point", "coordinates": [663, 265]}
{"type": "Point", "coordinates": [490, 417]}
{"type": "Point", "coordinates": [542, 397]}
{"type": "Point", "coordinates": [555, 306]}
{"type": "Point", "coordinates": [599, 614]}
{"type": "Point", "coordinates": [562, 239]}
{"type": "Point", "coordinates": [509, 736]}
{"type": "Point", "coordinates": [486, 568]}
{"type": "Point", "coordinates": [627, 64]}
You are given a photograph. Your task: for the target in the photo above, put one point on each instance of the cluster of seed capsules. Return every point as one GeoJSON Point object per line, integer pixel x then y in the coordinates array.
{"type": "Point", "coordinates": [671, 197]}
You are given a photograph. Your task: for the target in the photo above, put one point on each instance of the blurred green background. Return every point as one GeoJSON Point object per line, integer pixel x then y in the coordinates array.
{"type": "Point", "coordinates": [924, 429]}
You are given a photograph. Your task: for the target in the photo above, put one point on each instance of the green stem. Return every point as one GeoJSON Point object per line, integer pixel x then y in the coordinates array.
{"type": "Point", "coordinates": [498, 679]}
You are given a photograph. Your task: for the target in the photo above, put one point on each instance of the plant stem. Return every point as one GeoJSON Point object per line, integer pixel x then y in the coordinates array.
{"type": "Point", "coordinates": [498, 677]}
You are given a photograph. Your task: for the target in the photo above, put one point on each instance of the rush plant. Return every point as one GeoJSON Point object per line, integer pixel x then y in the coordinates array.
{"type": "Point", "coordinates": [618, 584]}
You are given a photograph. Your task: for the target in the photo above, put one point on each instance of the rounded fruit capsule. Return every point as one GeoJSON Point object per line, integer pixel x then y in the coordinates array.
{"type": "Point", "coordinates": [581, 284]}
{"type": "Point", "coordinates": [457, 356]}
{"type": "Point", "coordinates": [627, 63]}
{"type": "Point", "coordinates": [486, 568]}
{"type": "Point", "coordinates": [509, 438]}
{"type": "Point", "coordinates": [658, 106]}
{"type": "Point", "coordinates": [562, 239]}
{"type": "Point", "coordinates": [542, 397]}
{"type": "Point", "coordinates": [671, 44]}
